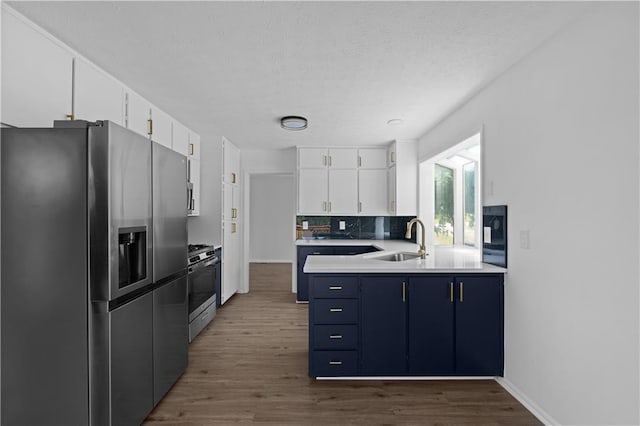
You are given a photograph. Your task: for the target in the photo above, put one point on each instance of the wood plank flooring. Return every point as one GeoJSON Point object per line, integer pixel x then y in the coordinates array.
{"type": "Point", "coordinates": [249, 366]}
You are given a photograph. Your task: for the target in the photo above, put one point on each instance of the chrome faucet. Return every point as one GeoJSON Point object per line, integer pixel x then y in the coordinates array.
{"type": "Point", "coordinates": [422, 251]}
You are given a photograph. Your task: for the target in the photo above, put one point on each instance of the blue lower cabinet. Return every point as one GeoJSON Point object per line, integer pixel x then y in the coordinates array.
{"type": "Point", "coordinates": [431, 325]}
{"type": "Point", "coordinates": [479, 325]}
{"type": "Point", "coordinates": [383, 324]}
{"type": "Point", "coordinates": [334, 363]}
{"type": "Point", "coordinates": [415, 325]}
{"type": "Point", "coordinates": [335, 337]}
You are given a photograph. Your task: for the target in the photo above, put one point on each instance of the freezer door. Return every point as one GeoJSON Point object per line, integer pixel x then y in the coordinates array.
{"type": "Point", "coordinates": [44, 277]}
{"type": "Point", "coordinates": [170, 335]}
{"type": "Point", "coordinates": [169, 212]}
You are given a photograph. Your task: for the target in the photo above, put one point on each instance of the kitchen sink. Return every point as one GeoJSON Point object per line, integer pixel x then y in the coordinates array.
{"type": "Point", "coordinates": [397, 257]}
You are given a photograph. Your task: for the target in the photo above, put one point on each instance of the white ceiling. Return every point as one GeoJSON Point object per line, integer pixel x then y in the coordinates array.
{"type": "Point", "coordinates": [235, 68]}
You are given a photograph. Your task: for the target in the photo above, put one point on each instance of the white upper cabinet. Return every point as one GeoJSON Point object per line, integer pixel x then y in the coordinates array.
{"type": "Point", "coordinates": [312, 158]}
{"type": "Point", "coordinates": [372, 191]}
{"type": "Point", "coordinates": [403, 178]}
{"type": "Point", "coordinates": [194, 145]}
{"type": "Point", "coordinates": [180, 138]}
{"type": "Point", "coordinates": [231, 164]}
{"type": "Point", "coordinates": [343, 158]}
{"type": "Point", "coordinates": [36, 76]}
{"type": "Point", "coordinates": [97, 95]}
{"type": "Point", "coordinates": [313, 191]}
{"type": "Point", "coordinates": [372, 158]}
{"type": "Point", "coordinates": [161, 127]}
{"type": "Point", "coordinates": [343, 191]}
{"type": "Point", "coordinates": [138, 114]}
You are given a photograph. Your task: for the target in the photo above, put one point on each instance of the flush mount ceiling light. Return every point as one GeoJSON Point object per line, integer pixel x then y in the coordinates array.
{"type": "Point", "coordinates": [394, 122]}
{"type": "Point", "coordinates": [293, 122]}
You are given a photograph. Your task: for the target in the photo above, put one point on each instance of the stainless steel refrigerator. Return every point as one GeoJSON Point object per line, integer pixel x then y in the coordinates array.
{"type": "Point", "coordinates": [79, 339]}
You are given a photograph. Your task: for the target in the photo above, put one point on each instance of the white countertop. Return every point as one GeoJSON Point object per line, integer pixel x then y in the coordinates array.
{"type": "Point", "coordinates": [439, 259]}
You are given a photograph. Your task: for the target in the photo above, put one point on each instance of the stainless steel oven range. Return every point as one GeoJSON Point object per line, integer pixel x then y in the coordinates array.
{"type": "Point", "coordinates": [202, 287]}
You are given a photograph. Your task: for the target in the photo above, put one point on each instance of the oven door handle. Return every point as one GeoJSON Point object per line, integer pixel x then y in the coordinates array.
{"type": "Point", "coordinates": [203, 264]}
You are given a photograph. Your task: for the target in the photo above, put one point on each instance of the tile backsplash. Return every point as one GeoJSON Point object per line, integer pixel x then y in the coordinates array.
{"type": "Point", "coordinates": [355, 227]}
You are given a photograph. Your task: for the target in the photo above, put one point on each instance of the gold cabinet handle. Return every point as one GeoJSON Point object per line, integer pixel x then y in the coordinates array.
{"type": "Point", "coordinates": [404, 291]}
{"type": "Point", "coordinates": [360, 206]}
{"type": "Point", "coordinates": [451, 291]}
{"type": "Point", "coordinates": [324, 160]}
{"type": "Point", "coordinates": [324, 206]}
{"type": "Point", "coordinates": [234, 228]}
{"type": "Point", "coordinates": [393, 157]}
{"type": "Point", "coordinates": [359, 161]}
{"type": "Point", "coordinates": [149, 127]}
{"type": "Point", "coordinates": [329, 161]}
{"type": "Point", "coordinates": [233, 178]}
{"type": "Point", "coordinates": [71, 117]}
{"type": "Point", "coordinates": [190, 149]}
{"type": "Point", "coordinates": [461, 292]}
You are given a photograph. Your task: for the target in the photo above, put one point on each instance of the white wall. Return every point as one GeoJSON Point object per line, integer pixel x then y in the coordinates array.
{"type": "Point", "coordinates": [272, 212]}
{"type": "Point", "coordinates": [560, 147]}
{"type": "Point", "coordinates": [206, 228]}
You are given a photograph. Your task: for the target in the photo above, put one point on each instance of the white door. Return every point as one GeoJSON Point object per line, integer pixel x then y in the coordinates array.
{"type": "Point", "coordinates": [97, 95]}
{"type": "Point", "coordinates": [312, 158]}
{"type": "Point", "coordinates": [372, 186]}
{"type": "Point", "coordinates": [372, 158]}
{"type": "Point", "coordinates": [343, 158]}
{"type": "Point", "coordinates": [343, 191]}
{"type": "Point", "coordinates": [312, 191]}
{"type": "Point", "coordinates": [33, 95]}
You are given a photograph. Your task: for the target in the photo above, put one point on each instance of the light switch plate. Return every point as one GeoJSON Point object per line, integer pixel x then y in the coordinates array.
{"type": "Point", "coordinates": [305, 225]}
{"type": "Point", "coordinates": [524, 239]}
{"type": "Point", "coordinates": [343, 225]}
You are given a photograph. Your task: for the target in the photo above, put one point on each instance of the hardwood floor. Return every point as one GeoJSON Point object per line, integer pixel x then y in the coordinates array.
{"type": "Point", "coordinates": [249, 366]}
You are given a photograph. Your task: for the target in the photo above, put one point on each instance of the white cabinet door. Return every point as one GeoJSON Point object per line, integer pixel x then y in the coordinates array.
{"type": "Point", "coordinates": [343, 158]}
{"type": "Point", "coordinates": [180, 138]}
{"type": "Point", "coordinates": [372, 158]}
{"type": "Point", "coordinates": [138, 114]}
{"type": "Point", "coordinates": [194, 145]}
{"type": "Point", "coordinates": [36, 76]}
{"type": "Point", "coordinates": [312, 158]}
{"type": "Point", "coordinates": [194, 178]}
{"type": "Point", "coordinates": [343, 191]}
{"type": "Point", "coordinates": [231, 165]}
{"type": "Point", "coordinates": [372, 186]}
{"type": "Point", "coordinates": [229, 202]}
{"type": "Point", "coordinates": [97, 96]}
{"type": "Point", "coordinates": [392, 189]}
{"type": "Point", "coordinates": [230, 260]}
{"type": "Point", "coordinates": [312, 191]}
{"type": "Point", "coordinates": [161, 127]}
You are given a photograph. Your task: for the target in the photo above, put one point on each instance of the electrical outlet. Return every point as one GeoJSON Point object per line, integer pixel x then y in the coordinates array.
{"type": "Point", "coordinates": [343, 225]}
{"type": "Point", "coordinates": [305, 225]}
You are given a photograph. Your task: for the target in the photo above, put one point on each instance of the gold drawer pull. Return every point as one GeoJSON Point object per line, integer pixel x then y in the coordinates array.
{"type": "Point", "coordinates": [335, 310]}
{"type": "Point", "coordinates": [335, 336]}
{"type": "Point", "coordinates": [335, 287]}
{"type": "Point", "coordinates": [335, 362]}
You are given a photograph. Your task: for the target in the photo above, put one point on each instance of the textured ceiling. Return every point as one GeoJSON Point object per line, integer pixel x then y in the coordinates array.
{"type": "Point", "coordinates": [234, 68]}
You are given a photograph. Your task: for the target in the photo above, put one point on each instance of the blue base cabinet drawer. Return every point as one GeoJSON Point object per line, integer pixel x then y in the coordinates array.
{"type": "Point", "coordinates": [334, 363]}
{"type": "Point", "coordinates": [335, 287]}
{"type": "Point", "coordinates": [335, 337]}
{"type": "Point", "coordinates": [335, 311]}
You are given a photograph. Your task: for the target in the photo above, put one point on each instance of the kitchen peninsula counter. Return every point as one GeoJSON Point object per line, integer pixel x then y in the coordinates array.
{"type": "Point", "coordinates": [439, 259]}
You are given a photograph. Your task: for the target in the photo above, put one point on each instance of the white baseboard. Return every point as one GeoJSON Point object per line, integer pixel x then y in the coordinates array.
{"type": "Point", "coordinates": [269, 261]}
{"type": "Point", "coordinates": [535, 409]}
{"type": "Point", "coordinates": [405, 378]}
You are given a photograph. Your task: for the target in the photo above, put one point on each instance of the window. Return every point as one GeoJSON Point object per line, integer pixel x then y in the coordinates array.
{"type": "Point", "coordinates": [443, 212]}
